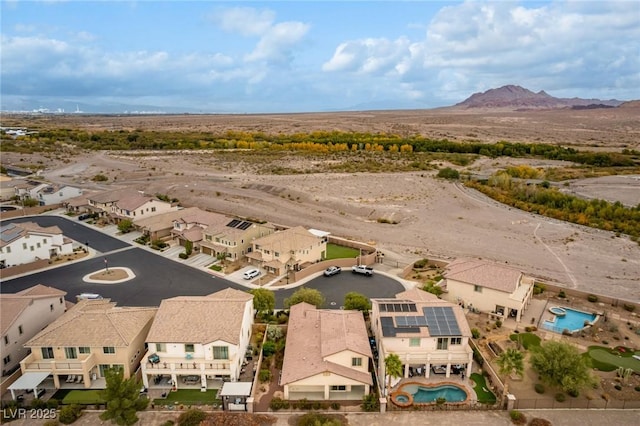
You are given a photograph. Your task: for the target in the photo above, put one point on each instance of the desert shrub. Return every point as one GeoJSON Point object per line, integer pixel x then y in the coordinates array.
{"type": "Point", "coordinates": [475, 333]}
{"type": "Point", "coordinates": [477, 357]}
{"type": "Point", "coordinates": [539, 288]}
{"type": "Point", "coordinates": [274, 333]}
{"type": "Point", "coordinates": [539, 387]}
{"type": "Point", "coordinates": [562, 294]}
{"type": "Point", "coordinates": [192, 417]}
{"type": "Point", "coordinates": [560, 397]}
{"type": "Point", "coordinates": [38, 404]}
{"type": "Point", "coordinates": [449, 173]}
{"type": "Point", "coordinates": [264, 375]}
{"type": "Point", "coordinates": [419, 264]}
{"type": "Point", "coordinates": [53, 403]}
{"type": "Point", "coordinates": [276, 404]}
{"type": "Point", "coordinates": [370, 403]}
{"type": "Point", "coordinates": [573, 393]}
{"type": "Point", "coordinates": [183, 255]}
{"type": "Point", "coordinates": [316, 405]}
{"type": "Point", "coordinates": [517, 417]}
{"type": "Point", "coordinates": [629, 307]}
{"type": "Point", "coordinates": [69, 414]}
{"type": "Point", "coordinates": [498, 324]}
{"type": "Point", "coordinates": [537, 421]}
{"type": "Point", "coordinates": [592, 298]}
{"type": "Point", "coordinates": [441, 400]}
{"type": "Point", "coordinates": [336, 405]}
{"type": "Point", "coordinates": [100, 178]}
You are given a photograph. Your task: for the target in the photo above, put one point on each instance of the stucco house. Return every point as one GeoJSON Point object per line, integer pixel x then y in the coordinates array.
{"type": "Point", "coordinates": [77, 348]}
{"type": "Point", "coordinates": [288, 250]}
{"type": "Point", "coordinates": [24, 314]}
{"type": "Point", "coordinates": [487, 286]}
{"type": "Point", "coordinates": [327, 356]}
{"type": "Point", "coordinates": [48, 194]}
{"type": "Point", "coordinates": [27, 242]}
{"type": "Point", "coordinates": [139, 205]}
{"type": "Point", "coordinates": [430, 335]}
{"type": "Point", "coordinates": [196, 341]}
{"type": "Point", "coordinates": [233, 237]}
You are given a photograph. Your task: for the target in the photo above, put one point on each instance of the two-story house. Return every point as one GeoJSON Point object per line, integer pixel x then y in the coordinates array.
{"type": "Point", "coordinates": [139, 205]}
{"type": "Point", "coordinates": [191, 225]}
{"type": "Point", "coordinates": [196, 341]}
{"type": "Point", "coordinates": [500, 290]}
{"type": "Point", "coordinates": [48, 194]}
{"type": "Point", "coordinates": [327, 356]}
{"type": "Point", "coordinates": [430, 335]}
{"type": "Point", "coordinates": [288, 250]}
{"type": "Point", "coordinates": [77, 348]}
{"type": "Point", "coordinates": [27, 242]}
{"type": "Point", "coordinates": [233, 237]}
{"type": "Point", "coordinates": [24, 314]}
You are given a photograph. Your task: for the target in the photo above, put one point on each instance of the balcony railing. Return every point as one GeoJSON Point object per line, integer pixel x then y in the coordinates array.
{"type": "Point", "coordinates": [65, 366]}
{"type": "Point", "coordinates": [167, 364]}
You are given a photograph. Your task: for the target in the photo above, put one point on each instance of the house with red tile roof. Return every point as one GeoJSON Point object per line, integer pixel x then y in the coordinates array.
{"type": "Point", "coordinates": [489, 287]}
{"type": "Point", "coordinates": [327, 355]}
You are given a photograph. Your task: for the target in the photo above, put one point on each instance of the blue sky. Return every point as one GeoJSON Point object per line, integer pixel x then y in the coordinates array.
{"type": "Point", "coordinates": [301, 56]}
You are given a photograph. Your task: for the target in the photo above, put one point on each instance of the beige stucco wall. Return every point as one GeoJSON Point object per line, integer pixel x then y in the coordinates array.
{"type": "Point", "coordinates": [486, 300]}
{"type": "Point", "coordinates": [345, 358]}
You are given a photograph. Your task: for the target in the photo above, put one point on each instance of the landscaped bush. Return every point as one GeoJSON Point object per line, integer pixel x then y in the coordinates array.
{"type": "Point", "coordinates": [420, 264]}
{"type": "Point", "coordinates": [539, 288]}
{"type": "Point", "coordinates": [573, 393]}
{"type": "Point", "coordinates": [183, 255]}
{"type": "Point", "coordinates": [592, 298]}
{"type": "Point", "coordinates": [192, 417]}
{"type": "Point", "coordinates": [264, 376]}
{"type": "Point", "coordinates": [268, 349]}
{"type": "Point", "coordinates": [38, 404]}
{"type": "Point", "coordinates": [475, 333]}
{"type": "Point", "coordinates": [53, 403]}
{"type": "Point", "coordinates": [539, 387]}
{"type": "Point", "coordinates": [629, 307]}
{"type": "Point", "coordinates": [517, 417]}
{"type": "Point", "coordinates": [560, 397]}
{"type": "Point", "coordinates": [562, 294]}
{"type": "Point", "coordinates": [336, 405]}
{"type": "Point", "coordinates": [276, 404]}
{"type": "Point", "coordinates": [69, 414]}
{"type": "Point", "coordinates": [319, 419]}
{"type": "Point", "coordinates": [370, 403]}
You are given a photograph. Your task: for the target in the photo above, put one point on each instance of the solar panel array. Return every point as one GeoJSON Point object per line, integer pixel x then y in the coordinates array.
{"type": "Point", "coordinates": [397, 307]}
{"type": "Point", "coordinates": [9, 232]}
{"type": "Point", "coordinates": [441, 321]}
{"type": "Point", "coordinates": [411, 321]}
{"type": "Point", "coordinates": [390, 330]}
{"type": "Point", "coordinates": [239, 224]}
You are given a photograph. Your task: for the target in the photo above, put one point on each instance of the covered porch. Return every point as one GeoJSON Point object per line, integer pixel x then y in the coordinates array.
{"type": "Point", "coordinates": [326, 392]}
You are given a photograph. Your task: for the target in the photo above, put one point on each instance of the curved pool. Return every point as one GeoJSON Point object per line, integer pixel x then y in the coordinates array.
{"type": "Point", "coordinates": [423, 393]}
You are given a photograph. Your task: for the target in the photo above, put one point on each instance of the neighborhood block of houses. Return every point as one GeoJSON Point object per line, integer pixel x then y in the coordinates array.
{"type": "Point", "coordinates": [27, 242]}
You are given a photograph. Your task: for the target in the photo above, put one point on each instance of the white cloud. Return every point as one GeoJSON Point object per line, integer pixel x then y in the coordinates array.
{"type": "Point", "coordinates": [277, 42]}
{"type": "Point", "coordinates": [370, 56]}
{"type": "Point", "coordinates": [246, 21]}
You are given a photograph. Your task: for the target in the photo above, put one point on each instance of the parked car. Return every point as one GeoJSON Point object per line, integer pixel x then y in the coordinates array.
{"type": "Point", "coordinates": [251, 273]}
{"type": "Point", "coordinates": [84, 216]}
{"type": "Point", "coordinates": [362, 269]}
{"type": "Point", "coordinates": [332, 270]}
{"type": "Point", "coordinates": [90, 296]}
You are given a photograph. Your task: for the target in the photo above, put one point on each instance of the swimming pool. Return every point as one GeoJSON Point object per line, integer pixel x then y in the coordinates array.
{"type": "Point", "coordinates": [427, 394]}
{"type": "Point", "coordinates": [573, 320]}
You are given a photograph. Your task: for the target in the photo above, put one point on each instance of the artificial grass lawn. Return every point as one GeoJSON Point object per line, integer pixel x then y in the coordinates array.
{"type": "Point", "coordinates": [78, 396]}
{"type": "Point", "coordinates": [189, 397]}
{"type": "Point", "coordinates": [484, 396]}
{"type": "Point", "coordinates": [335, 251]}
{"type": "Point", "coordinates": [528, 340]}
{"type": "Point", "coordinates": [607, 359]}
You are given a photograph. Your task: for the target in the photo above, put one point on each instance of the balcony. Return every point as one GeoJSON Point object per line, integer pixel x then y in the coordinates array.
{"type": "Point", "coordinates": [58, 366]}
{"type": "Point", "coordinates": [183, 365]}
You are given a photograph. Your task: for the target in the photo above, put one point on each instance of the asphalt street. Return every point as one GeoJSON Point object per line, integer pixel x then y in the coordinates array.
{"type": "Point", "coordinates": [159, 278]}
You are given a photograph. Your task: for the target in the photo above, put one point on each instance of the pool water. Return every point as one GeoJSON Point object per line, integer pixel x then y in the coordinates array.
{"type": "Point", "coordinates": [430, 394]}
{"type": "Point", "coordinates": [573, 321]}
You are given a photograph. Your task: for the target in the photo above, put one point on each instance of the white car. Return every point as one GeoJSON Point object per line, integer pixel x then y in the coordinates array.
{"type": "Point", "coordinates": [251, 273]}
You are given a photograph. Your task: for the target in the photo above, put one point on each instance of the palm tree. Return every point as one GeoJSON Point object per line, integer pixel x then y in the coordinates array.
{"type": "Point", "coordinates": [510, 361]}
{"type": "Point", "coordinates": [393, 368]}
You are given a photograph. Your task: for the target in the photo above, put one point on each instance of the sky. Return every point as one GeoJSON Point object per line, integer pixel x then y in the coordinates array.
{"type": "Point", "coordinates": [309, 56]}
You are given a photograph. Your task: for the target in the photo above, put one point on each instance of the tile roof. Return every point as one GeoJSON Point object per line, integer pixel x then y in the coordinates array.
{"type": "Point", "coordinates": [484, 273]}
{"type": "Point", "coordinates": [113, 195]}
{"type": "Point", "coordinates": [164, 220]}
{"type": "Point", "coordinates": [133, 201]}
{"type": "Point", "coordinates": [314, 334]}
{"type": "Point", "coordinates": [13, 231]}
{"type": "Point", "coordinates": [12, 304]}
{"type": "Point", "coordinates": [95, 323]}
{"type": "Point", "coordinates": [290, 239]}
{"type": "Point", "coordinates": [200, 319]}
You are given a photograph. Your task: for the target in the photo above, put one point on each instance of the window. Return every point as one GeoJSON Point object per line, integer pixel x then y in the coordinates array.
{"type": "Point", "coordinates": [220, 352]}
{"type": "Point", "coordinates": [24, 246]}
{"type": "Point", "coordinates": [277, 254]}
{"type": "Point", "coordinates": [20, 331]}
{"type": "Point", "coordinates": [153, 209]}
{"type": "Point", "coordinates": [356, 362]}
{"type": "Point", "coordinates": [31, 248]}
{"type": "Point", "coordinates": [51, 307]}
{"type": "Point", "coordinates": [443, 342]}
{"type": "Point", "coordinates": [8, 249]}
{"type": "Point", "coordinates": [44, 241]}
{"type": "Point", "coordinates": [6, 360]}
{"type": "Point", "coordinates": [161, 347]}
{"type": "Point", "coordinates": [414, 341]}
{"type": "Point", "coordinates": [109, 350]}
{"type": "Point", "coordinates": [456, 340]}
{"type": "Point", "coordinates": [70, 353]}
{"type": "Point", "coordinates": [61, 301]}
{"type": "Point", "coordinates": [339, 388]}
{"type": "Point", "coordinates": [188, 347]}
{"type": "Point", "coordinates": [47, 353]}
{"type": "Point", "coordinates": [38, 245]}
{"type": "Point", "coordinates": [6, 340]}
{"type": "Point", "coordinates": [84, 349]}
{"type": "Point", "coordinates": [477, 288]}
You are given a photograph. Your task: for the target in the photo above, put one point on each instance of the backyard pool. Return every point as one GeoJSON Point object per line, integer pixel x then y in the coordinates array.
{"type": "Point", "coordinates": [427, 394]}
{"type": "Point", "coordinates": [572, 320]}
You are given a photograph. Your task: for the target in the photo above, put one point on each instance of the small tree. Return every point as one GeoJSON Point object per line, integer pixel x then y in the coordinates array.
{"type": "Point", "coordinates": [125, 225]}
{"type": "Point", "coordinates": [370, 403]}
{"type": "Point", "coordinates": [510, 361]}
{"type": "Point", "coordinates": [122, 398]}
{"type": "Point", "coordinates": [308, 295]}
{"type": "Point", "coordinates": [561, 364]}
{"type": "Point", "coordinates": [357, 302]}
{"type": "Point", "coordinates": [393, 367]}
{"type": "Point", "coordinates": [222, 257]}
{"type": "Point", "coordinates": [264, 300]}
{"type": "Point", "coordinates": [188, 247]}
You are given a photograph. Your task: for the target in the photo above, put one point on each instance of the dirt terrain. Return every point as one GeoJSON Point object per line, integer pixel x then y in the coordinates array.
{"type": "Point", "coordinates": [426, 217]}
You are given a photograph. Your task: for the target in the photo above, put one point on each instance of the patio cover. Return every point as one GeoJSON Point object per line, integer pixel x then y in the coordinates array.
{"type": "Point", "coordinates": [28, 381]}
{"type": "Point", "coordinates": [236, 389]}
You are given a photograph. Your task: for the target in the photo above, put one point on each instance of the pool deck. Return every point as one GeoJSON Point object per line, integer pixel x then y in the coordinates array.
{"type": "Point", "coordinates": [465, 383]}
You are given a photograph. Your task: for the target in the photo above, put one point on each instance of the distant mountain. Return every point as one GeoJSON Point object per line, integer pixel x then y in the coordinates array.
{"type": "Point", "coordinates": [516, 97]}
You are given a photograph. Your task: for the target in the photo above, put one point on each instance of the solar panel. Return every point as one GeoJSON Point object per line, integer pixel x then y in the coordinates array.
{"type": "Point", "coordinates": [244, 225]}
{"type": "Point", "coordinates": [441, 321]}
{"type": "Point", "coordinates": [388, 330]}
{"type": "Point", "coordinates": [233, 223]}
